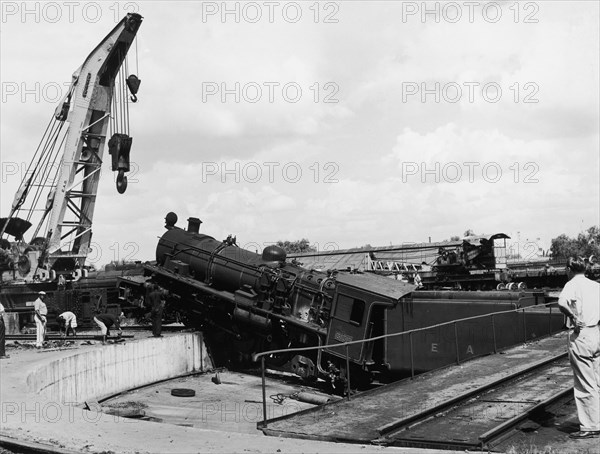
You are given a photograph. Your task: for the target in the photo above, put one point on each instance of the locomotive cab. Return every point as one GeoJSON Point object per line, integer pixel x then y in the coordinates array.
{"type": "Point", "coordinates": [359, 312]}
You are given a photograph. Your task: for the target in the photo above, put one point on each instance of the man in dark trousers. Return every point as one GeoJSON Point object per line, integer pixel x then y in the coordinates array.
{"type": "Point", "coordinates": [155, 300]}
{"type": "Point", "coordinates": [105, 322]}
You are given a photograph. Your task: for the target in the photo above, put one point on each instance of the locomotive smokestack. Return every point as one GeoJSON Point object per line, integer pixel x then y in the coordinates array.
{"type": "Point", "coordinates": [194, 225]}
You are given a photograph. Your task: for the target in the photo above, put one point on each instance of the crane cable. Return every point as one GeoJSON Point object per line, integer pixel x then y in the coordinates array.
{"type": "Point", "coordinates": [28, 181]}
{"type": "Point", "coordinates": [53, 186]}
{"type": "Point", "coordinates": [137, 66]}
{"type": "Point", "coordinates": [120, 105]}
{"type": "Point", "coordinates": [46, 165]}
{"type": "Point", "coordinates": [38, 171]}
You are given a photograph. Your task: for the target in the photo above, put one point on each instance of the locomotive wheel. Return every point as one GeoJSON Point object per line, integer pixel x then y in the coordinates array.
{"type": "Point", "coordinates": [360, 380]}
{"type": "Point", "coordinates": [183, 392]}
{"type": "Point", "coordinates": [247, 344]}
{"type": "Point", "coordinates": [189, 320]}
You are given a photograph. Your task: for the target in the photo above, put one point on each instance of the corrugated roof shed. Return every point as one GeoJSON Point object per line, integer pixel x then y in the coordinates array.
{"type": "Point", "coordinates": [356, 258]}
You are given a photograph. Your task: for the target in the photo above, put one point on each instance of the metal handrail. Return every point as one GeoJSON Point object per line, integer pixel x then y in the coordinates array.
{"type": "Point", "coordinates": [410, 333]}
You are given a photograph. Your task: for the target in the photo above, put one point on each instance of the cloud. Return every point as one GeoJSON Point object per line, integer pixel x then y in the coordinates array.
{"type": "Point", "coordinates": [355, 186]}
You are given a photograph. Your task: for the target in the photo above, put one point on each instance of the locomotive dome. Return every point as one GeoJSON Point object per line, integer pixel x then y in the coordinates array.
{"type": "Point", "coordinates": [273, 254]}
{"type": "Point", "coordinates": [170, 219]}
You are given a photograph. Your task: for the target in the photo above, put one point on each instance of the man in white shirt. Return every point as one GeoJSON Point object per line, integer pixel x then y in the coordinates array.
{"type": "Point", "coordinates": [67, 321]}
{"type": "Point", "coordinates": [580, 302]}
{"type": "Point", "coordinates": [41, 311]}
{"type": "Point", "coordinates": [418, 281]}
{"type": "Point", "coordinates": [3, 354]}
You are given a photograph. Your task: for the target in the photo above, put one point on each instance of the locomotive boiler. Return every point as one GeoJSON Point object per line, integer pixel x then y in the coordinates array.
{"type": "Point", "coordinates": [245, 303]}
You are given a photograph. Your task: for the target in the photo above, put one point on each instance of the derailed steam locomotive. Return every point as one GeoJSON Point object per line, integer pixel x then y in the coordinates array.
{"type": "Point", "coordinates": [246, 303]}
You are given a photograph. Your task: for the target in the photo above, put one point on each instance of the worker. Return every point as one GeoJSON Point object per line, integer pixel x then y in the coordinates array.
{"type": "Point", "coordinates": [41, 311]}
{"type": "Point", "coordinates": [99, 307]}
{"type": "Point", "coordinates": [580, 302]}
{"type": "Point", "coordinates": [3, 354]}
{"type": "Point", "coordinates": [105, 322]}
{"type": "Point", "coordinates": [67, 321]}
{"type": "Point", "coordinates": [156, 302]}
{"type": "Point", "coordinates": [418, 281]}
{"type": "Point", "coordinates": [61, 282]}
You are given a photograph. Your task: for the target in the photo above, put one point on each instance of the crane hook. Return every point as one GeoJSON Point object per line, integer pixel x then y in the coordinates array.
{"type": "Point", "coordinates": [133, 83]}
{"type": "Point", "coordinates": [121, 182]}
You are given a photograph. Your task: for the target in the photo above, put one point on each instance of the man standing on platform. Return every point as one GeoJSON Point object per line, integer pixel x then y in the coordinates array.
{"type": "Point", "coordinates": [156, 301]}
{"type": "Point", "coordinates": [3, 354]}
{"type": "Point", "coordinates": [580, 302]}
{"type": "Point", "coordinates": [41, 311]}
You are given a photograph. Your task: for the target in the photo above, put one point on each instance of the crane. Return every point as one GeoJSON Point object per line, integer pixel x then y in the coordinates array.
{"type": "Point", "coordinates": [58, 192]}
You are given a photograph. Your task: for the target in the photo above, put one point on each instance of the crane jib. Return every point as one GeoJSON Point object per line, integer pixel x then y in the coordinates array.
{"type": "Point", "coordinates": [58, 195]}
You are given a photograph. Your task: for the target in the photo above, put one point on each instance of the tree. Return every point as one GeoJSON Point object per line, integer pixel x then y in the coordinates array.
{"type": "Point", "coordinates": [585, 245]}
{"type": "Point", "coordinates": [295, 247]}
{"type": "Point", "coordinates": [469, 232]}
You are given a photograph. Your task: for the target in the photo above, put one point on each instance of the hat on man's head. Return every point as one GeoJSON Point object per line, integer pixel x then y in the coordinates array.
{"type": "Point", "coordinates": [41, 293]}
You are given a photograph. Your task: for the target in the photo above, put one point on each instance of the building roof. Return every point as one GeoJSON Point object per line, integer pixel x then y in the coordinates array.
{"type": "Point", "coordinates": [357, 258]}
{"type": "Point", "coordinates": [408, 253]}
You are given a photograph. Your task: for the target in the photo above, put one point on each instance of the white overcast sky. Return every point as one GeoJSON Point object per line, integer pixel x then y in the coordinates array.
{"type": "Point", "coordinates": [387, 163]}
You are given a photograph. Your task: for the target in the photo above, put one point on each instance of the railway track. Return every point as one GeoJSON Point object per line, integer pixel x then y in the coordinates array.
{"type": "Point", "coordinates": [486, 416]}
{"type": "Point", "coordinates": [56, 337]}
{"type": "Point", "coordinates": [87, 336]}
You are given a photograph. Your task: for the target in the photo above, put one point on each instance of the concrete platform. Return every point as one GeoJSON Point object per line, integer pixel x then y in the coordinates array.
{"type": "Point", "coordinates": [41, 392]}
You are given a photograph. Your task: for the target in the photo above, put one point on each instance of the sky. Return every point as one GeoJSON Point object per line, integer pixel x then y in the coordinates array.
{"type": "Point", "coordinates": [346, 123]}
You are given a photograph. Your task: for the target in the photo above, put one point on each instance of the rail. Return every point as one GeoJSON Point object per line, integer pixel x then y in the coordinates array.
{"type": "Point", "coordinates": [496, 388]}
{"type": "Point", "coordinates": [410, 334]}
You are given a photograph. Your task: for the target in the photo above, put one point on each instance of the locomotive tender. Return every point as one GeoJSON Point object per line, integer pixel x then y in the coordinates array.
{"type": "Point", "coordinates": [246, 303]}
